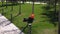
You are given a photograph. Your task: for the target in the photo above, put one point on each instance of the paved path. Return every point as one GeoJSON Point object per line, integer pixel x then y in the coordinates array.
{"type": "Point", "coordinates": [6, 27]}
{"type": "Point", "coordinates": [35, 2]}
{"type": "Point", "coordinates": [31, 2]}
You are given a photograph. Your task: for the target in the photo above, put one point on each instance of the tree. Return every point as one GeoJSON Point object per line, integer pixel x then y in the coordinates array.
{"type": "Point", "coordinates": [51, 12]}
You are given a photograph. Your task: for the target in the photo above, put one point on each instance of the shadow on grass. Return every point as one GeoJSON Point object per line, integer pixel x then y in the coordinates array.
{"type": "Point", "coordinates": [12, 17]}
{"type": "Point", "coordinates": [52, 15]}
{"type": "Point", "coordinates": [17, 15]}
{"type": "Point", "coordinates": [9, 5]}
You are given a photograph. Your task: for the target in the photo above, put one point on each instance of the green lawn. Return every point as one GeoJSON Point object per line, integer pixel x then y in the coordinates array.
{"type": "Point", "coordinates": [41, 25]}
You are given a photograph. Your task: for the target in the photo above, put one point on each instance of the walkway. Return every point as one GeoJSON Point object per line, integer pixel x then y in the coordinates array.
{"type": "Point", "coordinates": [6, 27]}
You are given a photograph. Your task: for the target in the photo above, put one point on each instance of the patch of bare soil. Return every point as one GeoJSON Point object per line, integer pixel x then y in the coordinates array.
{"type": "Point", "coordinates": [50, 31]}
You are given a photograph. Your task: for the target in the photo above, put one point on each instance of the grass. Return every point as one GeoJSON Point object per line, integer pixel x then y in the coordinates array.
{"type": "Point", "coordinates": [41, 25]}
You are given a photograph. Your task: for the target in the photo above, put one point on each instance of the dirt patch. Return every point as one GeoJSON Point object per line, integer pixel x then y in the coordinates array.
{"type": "Point", "coordinates": [50, 31]}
